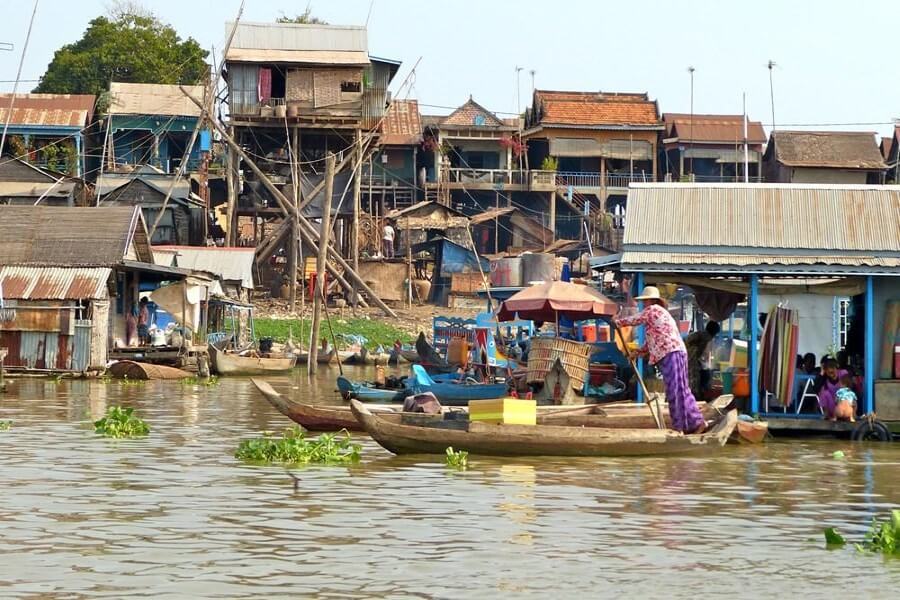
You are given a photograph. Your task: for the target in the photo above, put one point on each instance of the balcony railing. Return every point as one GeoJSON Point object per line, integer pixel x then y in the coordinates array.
{"type": "Point", "coordinates": [499, 177]}
{"type": "Point", "coordinates": [721, 179]}
{"type": "Point", "coordinates": [595, 180]}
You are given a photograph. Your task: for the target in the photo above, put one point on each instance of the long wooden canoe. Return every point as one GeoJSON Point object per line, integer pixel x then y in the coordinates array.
{"type": "Point", "coordinates": [539, 440]}
{"type": "Point", "coordinates": [233, 364]}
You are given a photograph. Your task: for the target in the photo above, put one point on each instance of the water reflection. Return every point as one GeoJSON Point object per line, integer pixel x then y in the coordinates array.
{"type": "Point", "coordinates": [176, 513]}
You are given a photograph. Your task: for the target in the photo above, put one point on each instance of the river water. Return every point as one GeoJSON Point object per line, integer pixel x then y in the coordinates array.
{"type": "Point", "coordinates": [175, 515]}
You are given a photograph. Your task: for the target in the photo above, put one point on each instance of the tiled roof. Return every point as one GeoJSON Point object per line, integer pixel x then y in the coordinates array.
{"type": "Point", "coordinates": [472, 114]}
{"type": "Point", "coordinates": [830, 149]}
{"type": "Point", "coordinates": [60, 110]}
{"type": "Point", "coordinates": [402, 124]}
{"type": "Point", "coordinates": [713, 129]}
{"type": "Point", "coordinates": [594, 109]}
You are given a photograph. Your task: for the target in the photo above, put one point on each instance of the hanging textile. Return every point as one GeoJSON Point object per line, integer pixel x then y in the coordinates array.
{"type": "Point", "coordinates": [778, 355]}
{"type": "Point", "coordinates": [717, 304]}
{"type": "Point", "coordinates": [265, 85]}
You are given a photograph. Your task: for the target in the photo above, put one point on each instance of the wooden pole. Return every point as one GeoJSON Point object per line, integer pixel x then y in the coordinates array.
{"type": "Point", "coordinates": [354, 232]}
{"type": "Point", "coordinates": [409, 284]}
{"type": "Point", "coordinates": [295, 223]}
{"type": "Point", "coordinates": [497, 222]}
{"type": "Point", "coordinates": [319, 295]}
{"type": "Point", "coordinates": [553, 215]}
{"type": "Point", "coordinates": [231, 202]}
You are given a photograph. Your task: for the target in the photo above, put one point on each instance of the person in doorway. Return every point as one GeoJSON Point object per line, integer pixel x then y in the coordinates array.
{"type": "Point", "coordinates": [699, 356]}
{"type": "Point", "coordinates": [387, 239]}
{"type": "Point", "coordinates": [826, 386]}
{"type": "Point", "coordinates": [131, 327]}
{"type": "Point", "coordinates": [143, 322]}
{"type": "Point", "coordinates": [809, 364]}
{"type": "Point", "coordinates": [666, 350]}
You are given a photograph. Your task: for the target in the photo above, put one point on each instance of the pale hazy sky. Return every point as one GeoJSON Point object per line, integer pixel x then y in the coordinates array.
{"type": "Point", "coordinates": [836, 60]}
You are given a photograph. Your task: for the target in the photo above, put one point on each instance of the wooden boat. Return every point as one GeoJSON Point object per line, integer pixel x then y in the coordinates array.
{"type": "Point", "coordinates": [537, 440]}
{"type": "Point", "coordinates": [317, 417]}
{"type": "Point", "coordinates": [227, 363]}
{"type": "Point", "coordinates": [409, 355]}
{"type": "Point", "coordinates": [625, 415]}
{"type": "Point", "coordinates": [322, 358]}
{"type": "Point", "coordinates": [750, 432]}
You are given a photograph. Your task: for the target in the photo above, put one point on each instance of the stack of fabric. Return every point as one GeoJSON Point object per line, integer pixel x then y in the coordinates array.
{"type": "Point", "coordinates": [778, 354]}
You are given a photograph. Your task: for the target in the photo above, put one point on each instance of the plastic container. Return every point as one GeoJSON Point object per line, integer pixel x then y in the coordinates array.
{"type": "Point", "coordinates": [539, 267]}
{"type": "Point", "coordinates": [588, 332]}
{"type": "Point", "coordinates": [505, 411]}
{"type": "Point", "coordinates": [741, 384]}
{"type": "Point", "coordinates": [602, 373]}
{"type": "Point", "coordinates": [506, 272]}
{"type": "Point", "coordinates": [727, 382]}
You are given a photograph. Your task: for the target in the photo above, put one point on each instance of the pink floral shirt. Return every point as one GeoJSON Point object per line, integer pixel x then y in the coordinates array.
{"type": "Point", "coordinates": [661, 332]}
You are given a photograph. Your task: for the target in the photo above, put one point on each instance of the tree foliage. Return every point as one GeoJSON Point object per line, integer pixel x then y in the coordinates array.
{"type": "Point", "coordinates": [304, 18]}
{"type": "Point", "coordinates": [131, 46]}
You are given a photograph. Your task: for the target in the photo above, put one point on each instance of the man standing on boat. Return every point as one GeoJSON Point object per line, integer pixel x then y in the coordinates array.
{"type": "Point", "coordinates": [666, 350]}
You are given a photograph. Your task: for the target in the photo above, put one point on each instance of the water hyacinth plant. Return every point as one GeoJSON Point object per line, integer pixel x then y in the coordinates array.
{"type": "Point", "coordinates": [458, 459]}
{"type": "Point", "coordinates": [883, 537]}
{"type": "Point", "coordinates": [121, 422]}
{"type": "Point", "coordinates": [5, 425]}
{"type": "Point", "coordinates": [294, 448]}
{"type": "Point", "coordinates": [210, 381]}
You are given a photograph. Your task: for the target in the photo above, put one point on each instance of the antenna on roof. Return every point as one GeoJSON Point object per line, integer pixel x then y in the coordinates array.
{"type": "Point", "coordinates": [6, 46]}
{"type": "Point", "coordinates": [771, 65]}
{"type": "Point", "coordinates": [691, 70]}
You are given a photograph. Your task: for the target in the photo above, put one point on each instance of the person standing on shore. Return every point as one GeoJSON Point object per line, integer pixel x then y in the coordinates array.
{"type": "Point", "coordinates": [387, 238]}
{"type": "Point", "coordinates": [666, 350]}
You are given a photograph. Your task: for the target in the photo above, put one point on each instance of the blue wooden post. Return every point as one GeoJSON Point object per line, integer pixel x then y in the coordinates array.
{"type": "Point", "coordinates": [639, 285]}
{"type": "Point", "coordinates": [753, 315]}
{"type": "Point", "coordinates": [731, 327]}
{"type": "Point", "coordinates": [79, 169]}
{"type": "Point", "coordinates": [870, 346]}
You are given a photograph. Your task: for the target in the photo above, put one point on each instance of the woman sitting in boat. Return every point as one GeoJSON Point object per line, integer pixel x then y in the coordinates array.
{"type": "Point", "coordinates": [666, 350]}
{"type": "Point", "coordinates": [826, 386]}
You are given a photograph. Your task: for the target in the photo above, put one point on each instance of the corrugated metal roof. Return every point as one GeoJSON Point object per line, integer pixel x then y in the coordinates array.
{"type": "Point", "coordinates": [54, 283]}
{"type": "Point", "coordinates": [306, 57]}
{"type": "Point", "coordinates": [829, 149]}
{"type": "Point", "coordinates": [72, 236]}
{"type": "Point", "coordinates": [153, 99]}
{"type": "Point", "coordinates": [759, 224]}
{"type": "Point", "coordinates": [54, 110]}
{"type": "Point", "coordinates": [712, 129]}
{"type": "Point", "coordinates": [402, 124]}
{"type": "Point", "coordinates": [230, 264]}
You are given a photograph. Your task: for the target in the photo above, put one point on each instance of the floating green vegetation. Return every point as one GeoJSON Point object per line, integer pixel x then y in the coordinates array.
{"type": "Point", "coordinates": [376, 331]}
{"type": "Point", "coordinates": [458, 459]}
{"type": "Point", "coordinates": [294, 448]}
{"type": "Point", "coordinates": [883, 537]}
{"type": "Point", "coordinates": [126, 381]}
{"type": "Point", "coordinates": [121, 422]}
{"type": "Point", "coordinates": [210, 381]}
{"type": "Point", "coordinates": [5, 425]}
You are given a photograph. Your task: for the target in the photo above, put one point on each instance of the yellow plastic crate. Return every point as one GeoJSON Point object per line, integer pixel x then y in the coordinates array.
{"type": "Point", "coordinates": [507, 411]}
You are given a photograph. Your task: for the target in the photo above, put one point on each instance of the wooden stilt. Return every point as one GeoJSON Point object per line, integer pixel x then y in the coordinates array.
{"type": "Point", "coordinates": [354, 232]}
{"type": "Point", "coordinates": [319, 295]}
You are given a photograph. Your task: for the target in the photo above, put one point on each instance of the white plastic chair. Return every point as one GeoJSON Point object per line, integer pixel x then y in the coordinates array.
{"type": "Point", "coordinates": [808, 393]}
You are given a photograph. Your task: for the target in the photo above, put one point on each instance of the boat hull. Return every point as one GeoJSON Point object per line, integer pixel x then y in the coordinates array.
{"type": "Point", "coordinates": [232, 364]}
{"type": "Point", "coordinates": [540, 440]}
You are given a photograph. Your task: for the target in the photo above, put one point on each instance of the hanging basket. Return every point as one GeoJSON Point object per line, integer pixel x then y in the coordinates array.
{"type": "Point", "coordinates": [573, 355]}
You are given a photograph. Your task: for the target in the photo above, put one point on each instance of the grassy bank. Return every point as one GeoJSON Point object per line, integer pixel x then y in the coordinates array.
{"type": "Point", "coordinates": [376, 331]}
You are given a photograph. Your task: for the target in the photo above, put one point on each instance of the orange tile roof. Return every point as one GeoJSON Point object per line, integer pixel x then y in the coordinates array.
{"type": "Point", "coordinates": [465, 116]}
{"type": "Point", "coordinates": [595, 109]}
{"type": "Point", "coordinates": [402, 124]}
{"type": "Point", "coordinates": [713, 128]}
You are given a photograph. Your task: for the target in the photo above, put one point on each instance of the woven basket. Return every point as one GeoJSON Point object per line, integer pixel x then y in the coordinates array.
{"type": "Point", "coordinates": [573, 355]}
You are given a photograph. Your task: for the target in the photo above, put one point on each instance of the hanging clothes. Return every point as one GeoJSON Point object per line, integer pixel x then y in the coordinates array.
{"type": "Point", "coordinates": [265, 85]}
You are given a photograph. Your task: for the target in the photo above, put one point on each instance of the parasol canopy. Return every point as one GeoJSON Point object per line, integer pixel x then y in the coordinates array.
{"type": "Point", "coordinates": [547, 301]}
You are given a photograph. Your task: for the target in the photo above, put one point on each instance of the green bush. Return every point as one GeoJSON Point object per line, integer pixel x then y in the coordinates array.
{"type": "Point", "coordinates": [375, 331]}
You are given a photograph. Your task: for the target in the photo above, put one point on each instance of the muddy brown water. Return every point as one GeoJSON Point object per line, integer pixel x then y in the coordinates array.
{"type": "Point", "coordinates": [175, 515]}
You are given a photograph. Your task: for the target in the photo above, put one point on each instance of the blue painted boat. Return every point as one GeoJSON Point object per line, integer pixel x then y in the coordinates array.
{"type": "Point", "coordinates": [454, 393]}
{"type": "Point", "coordinates": [366, 392]}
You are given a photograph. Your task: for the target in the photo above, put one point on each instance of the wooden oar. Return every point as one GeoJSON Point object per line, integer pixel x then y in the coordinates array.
{"type": "Point", "coordinates": [652, 401]}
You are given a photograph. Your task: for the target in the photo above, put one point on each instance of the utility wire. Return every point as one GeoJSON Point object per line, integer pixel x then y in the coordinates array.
{"type": "Point", "coordinates": [12, 97]}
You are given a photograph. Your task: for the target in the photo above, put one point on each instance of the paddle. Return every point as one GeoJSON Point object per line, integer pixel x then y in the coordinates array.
{"type": "Point", "coordinates": [652, 400]}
